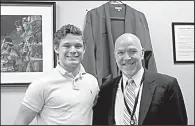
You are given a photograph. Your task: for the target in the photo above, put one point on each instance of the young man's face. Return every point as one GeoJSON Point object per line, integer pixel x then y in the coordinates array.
{"type": "Point", "coordinates": [71, 50]}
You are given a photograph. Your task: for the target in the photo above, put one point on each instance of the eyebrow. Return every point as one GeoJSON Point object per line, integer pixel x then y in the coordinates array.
{"type": "Point", "coordinates": [131, 48]}
{"type": "Point", "coordinates": [69, 43]}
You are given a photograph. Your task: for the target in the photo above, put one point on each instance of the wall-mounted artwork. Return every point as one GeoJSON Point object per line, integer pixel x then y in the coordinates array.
{"type": "Point", "coordinates": [183, 42]}
{"type": "Point", "coordinates": [26, 41]}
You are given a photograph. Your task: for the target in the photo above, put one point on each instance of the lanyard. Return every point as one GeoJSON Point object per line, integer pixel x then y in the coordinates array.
{"type": "Point", "coordinates": [132, 121]}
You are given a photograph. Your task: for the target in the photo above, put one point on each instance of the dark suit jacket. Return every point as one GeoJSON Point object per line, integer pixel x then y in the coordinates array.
{"type": "Point", "coordinates": [99, 57]}
{"type": "Point", "coordinates": [161, 102]}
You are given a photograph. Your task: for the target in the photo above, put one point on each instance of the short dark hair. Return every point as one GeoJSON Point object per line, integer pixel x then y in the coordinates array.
{"type": "Point", "coordinates": [64, 30]}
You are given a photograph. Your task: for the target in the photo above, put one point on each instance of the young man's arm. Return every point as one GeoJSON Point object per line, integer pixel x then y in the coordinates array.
{"type": "Point", "coordinates": [32, 103]}
{"type": "Point", "coordinates": [24, 116]}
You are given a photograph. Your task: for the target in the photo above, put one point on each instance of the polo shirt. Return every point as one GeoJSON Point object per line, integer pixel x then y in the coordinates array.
{"type": "Point", "coordinates": [59, 98]}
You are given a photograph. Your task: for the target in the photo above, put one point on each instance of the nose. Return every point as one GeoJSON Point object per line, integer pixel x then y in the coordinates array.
{"type": "Point", "coordinates": [72, 50]}
{"type": "Point", "coordinates": [127, 56]}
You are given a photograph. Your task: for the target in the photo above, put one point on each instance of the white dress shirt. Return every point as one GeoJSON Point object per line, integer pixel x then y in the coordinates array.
{"type": "Point", "coordinates": [119, 103]}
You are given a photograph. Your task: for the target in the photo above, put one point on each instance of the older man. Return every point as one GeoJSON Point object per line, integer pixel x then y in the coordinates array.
{"type": "Point", "coordinates": [138, 96]}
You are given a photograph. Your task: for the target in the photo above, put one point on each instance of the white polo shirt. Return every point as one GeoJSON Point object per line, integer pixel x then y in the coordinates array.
{"type": "Point", "coordinates": [61, 99]}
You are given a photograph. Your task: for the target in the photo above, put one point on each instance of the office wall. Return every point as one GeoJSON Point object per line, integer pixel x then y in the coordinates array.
{"type": "Point", "coordinates": [159, 14]}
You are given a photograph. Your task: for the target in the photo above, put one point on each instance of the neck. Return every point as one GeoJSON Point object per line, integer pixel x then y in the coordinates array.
{"type": "Point", "coordinates": [130, 75]}
{"type": "Point", "coordinates": [73, 70]}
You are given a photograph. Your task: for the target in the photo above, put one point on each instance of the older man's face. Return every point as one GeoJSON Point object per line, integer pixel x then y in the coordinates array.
{"type": "Point", "coordinates": [129, 55]}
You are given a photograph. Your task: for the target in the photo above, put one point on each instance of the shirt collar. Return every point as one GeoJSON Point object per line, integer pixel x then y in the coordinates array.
{"type": "Point", "coordinates": [65, 72]}
{"type": "Point", "coordinates": [81, 71]}
{"type": "Point", "coordinates": [137, 78]}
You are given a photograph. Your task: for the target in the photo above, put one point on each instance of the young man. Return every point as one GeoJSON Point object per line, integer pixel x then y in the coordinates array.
{"type": "Point", "coordinates": [138, 96]}
{"type": "Point", "coordinates": [66, 95]}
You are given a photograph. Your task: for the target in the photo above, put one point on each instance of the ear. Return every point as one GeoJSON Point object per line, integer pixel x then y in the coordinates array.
{"type": "Point", "coordinates": [142, 53]}
{"type": "Point", "coordinates": [84, 50]}
{"type": "Point", "coordinates": [56, 49]}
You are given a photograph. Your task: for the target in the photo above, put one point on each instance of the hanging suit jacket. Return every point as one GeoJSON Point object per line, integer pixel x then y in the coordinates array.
{"type": "Point", "coordinates": [161, 102]}
{"type": "Point", "coordinates": [99, 57]}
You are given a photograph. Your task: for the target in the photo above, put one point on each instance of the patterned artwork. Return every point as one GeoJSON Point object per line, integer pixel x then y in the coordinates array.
{"type": "Point", "coordinates": [21, 43]}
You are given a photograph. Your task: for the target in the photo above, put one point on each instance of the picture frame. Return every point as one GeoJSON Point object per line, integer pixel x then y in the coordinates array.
{"type": "Point", "coordinates": [183, 42]}
{"type": "Point", "coordinates": [27, 30]}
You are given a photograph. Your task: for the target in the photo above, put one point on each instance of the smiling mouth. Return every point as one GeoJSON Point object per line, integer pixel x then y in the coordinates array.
{"type": "Point", "coordinates": [128, 64]}
{"type": "Point", "coordinates": [72, 56]}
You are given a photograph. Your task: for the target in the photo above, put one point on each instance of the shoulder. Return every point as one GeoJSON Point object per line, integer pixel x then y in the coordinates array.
{"type": "Point", "coordinates": [162, 79]}
{"type": "Point", "coordinates": [35, 88]}
{"type": "Point", "coordinates": [167, 83]}
{"type": "Point", "coordinates": [134, 10]}
{"type": "Point", "coordinates": [97, 9]}
{"type": "Point", "coordinates": [90, 77]}
{"type": "Point", "coordinates": [91, 81]}
{"type": "Point", "coordinates": [45, 78]}
{"type": "Point", "coordinates": [138, 14]}
{"type": "Point", "coordinates": [110, 84]}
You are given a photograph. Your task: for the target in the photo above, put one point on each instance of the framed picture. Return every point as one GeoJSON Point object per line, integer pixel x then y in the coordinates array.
{"type": "Point", "coordinates": [183, 42]}
{"type": "Point", "coordinates": [26, 41]}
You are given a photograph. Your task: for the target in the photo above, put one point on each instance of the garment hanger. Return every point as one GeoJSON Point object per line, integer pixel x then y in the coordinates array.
{"type": "Point", "coordinates": [116, 2]}
{"type": "Point", "coordinates": [117, 8]}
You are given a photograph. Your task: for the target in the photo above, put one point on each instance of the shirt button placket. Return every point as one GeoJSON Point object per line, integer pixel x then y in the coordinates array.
{"type": "Point", "coordinates": [75, 84]}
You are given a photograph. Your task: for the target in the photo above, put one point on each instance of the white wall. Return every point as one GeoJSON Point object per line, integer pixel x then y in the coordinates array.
{"type": "Point", "coordinates": [159, 14]}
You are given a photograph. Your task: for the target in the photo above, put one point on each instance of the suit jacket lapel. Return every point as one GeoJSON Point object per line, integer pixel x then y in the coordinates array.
{"type": "Point", "coordinates": [111, 118]}
{"type": "Point", "coordinates": [147, 94]}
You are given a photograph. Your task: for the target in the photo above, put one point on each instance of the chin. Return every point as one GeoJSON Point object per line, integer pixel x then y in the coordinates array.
{"type": "Point", "coordinates": [129, 71]}
{"type": "Point", "coordinates": [74, 63]}
{"type": "Point", "coordinates": [132, 68]}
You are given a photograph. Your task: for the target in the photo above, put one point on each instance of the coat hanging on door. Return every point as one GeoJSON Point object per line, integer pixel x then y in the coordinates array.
{"type": "Point", "coordinates": [102, 26]}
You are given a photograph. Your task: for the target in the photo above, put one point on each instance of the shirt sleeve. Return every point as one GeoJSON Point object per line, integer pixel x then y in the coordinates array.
{"type": "Point", "coordinates": [97, 89]}
{"type": "Point", "coordinates": [34, 98]}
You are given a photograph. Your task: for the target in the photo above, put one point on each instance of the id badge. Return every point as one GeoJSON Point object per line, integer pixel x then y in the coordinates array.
{"type": "Point", "coordinates": [132, 122]}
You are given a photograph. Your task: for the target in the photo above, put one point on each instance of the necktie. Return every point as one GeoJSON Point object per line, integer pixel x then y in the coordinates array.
{"type": "Point", "coordinates": [129, 97]}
